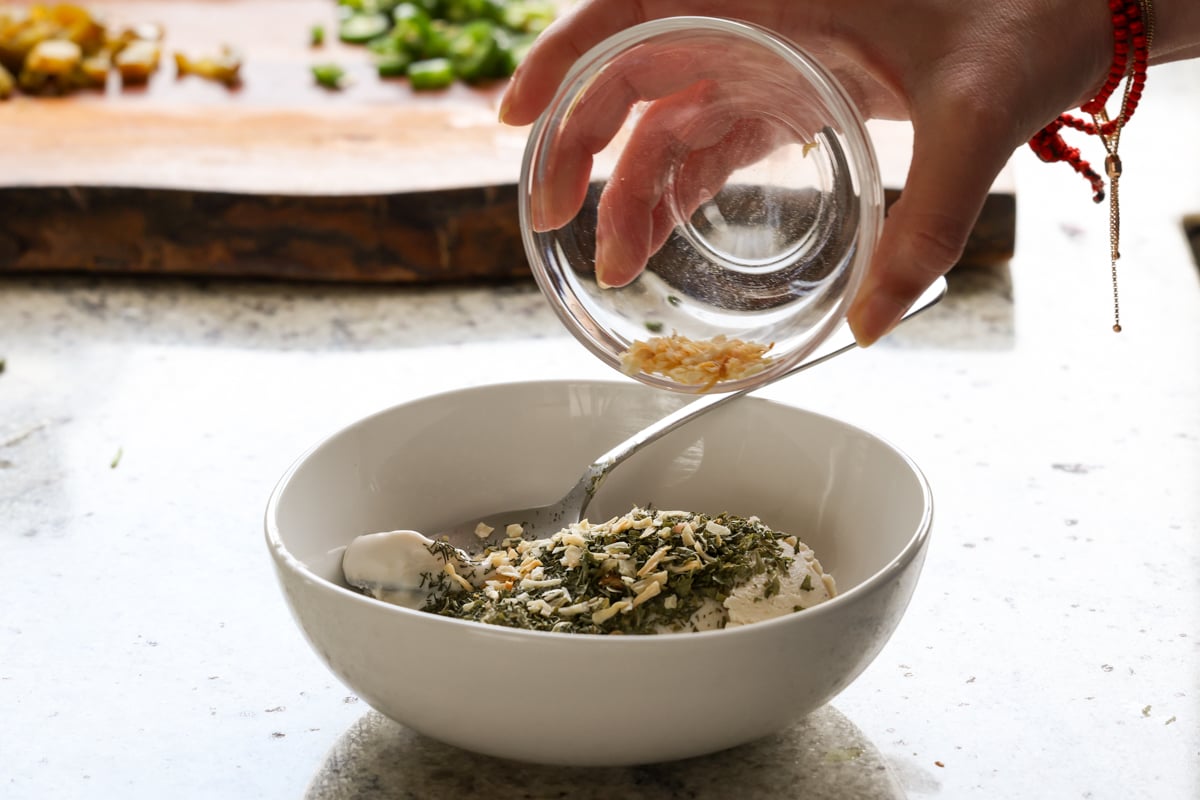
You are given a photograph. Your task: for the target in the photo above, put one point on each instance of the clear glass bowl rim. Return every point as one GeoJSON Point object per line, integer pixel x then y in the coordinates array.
{"type": "Point", "coordinates": [865, 173]}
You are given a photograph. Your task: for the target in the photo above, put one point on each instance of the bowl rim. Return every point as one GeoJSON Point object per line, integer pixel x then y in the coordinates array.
{"type": "Point", "coordinates": [888, 573]}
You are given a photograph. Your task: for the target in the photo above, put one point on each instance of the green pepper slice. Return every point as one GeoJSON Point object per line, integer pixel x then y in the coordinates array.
{"type": "Point", "coordinates": [431, 73]}
{"type": "Point", "coordinates": [328, 75]}
{"type": "Point", "coordinates": [362, 28]}
{"type": "Point", "coordinates": [392, 65]}
{"type": "Point", "coordinates": [475, 53]}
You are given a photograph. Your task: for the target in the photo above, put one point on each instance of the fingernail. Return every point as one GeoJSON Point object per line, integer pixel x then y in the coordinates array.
{"type": "Point", "coordinates": [538, 214]}
{"type": "Point", "coordinates": [505, 105]}
{"type": "Point", "coordinates": [600, 261]}
{"type": "Point", "coordinates": [874, 317]}
{"type": "Point", "coordinates": [862, 339]}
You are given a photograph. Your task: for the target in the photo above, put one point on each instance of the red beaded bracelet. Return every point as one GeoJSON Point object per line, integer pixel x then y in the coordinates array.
{"type": "Point", "coordinates": [1133, 31]}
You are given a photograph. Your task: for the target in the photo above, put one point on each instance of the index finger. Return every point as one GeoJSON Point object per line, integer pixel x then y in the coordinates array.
{"type": "Point", "coordinates": [593, 21]}
{"type": "Point", "coordinates": [650, 73]}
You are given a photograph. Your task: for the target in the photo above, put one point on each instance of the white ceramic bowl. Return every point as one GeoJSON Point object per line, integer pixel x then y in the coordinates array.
{"type": "Point", "coordinates": [594, 700]}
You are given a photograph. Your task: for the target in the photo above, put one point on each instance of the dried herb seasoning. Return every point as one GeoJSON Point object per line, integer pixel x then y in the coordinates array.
{"type": "Point", "coordinates": [647, 571]}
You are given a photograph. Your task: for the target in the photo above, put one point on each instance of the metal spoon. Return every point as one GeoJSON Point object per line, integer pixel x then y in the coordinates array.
{"type": "Point", "coordinates": [543, 521]}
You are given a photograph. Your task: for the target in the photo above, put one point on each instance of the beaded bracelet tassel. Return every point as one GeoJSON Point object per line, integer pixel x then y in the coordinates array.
{"type": "Point", "coordinates": [1133, 31]}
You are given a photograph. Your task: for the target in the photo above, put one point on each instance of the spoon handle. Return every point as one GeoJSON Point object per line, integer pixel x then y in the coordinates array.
{"type": "Point", "coordinates": [840, 342]}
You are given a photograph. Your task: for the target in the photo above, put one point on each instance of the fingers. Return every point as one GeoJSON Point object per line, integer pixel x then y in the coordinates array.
{"type": "Point", "coordinates": [592, 122]}
{"type": "Point", "coordinates": [627, 215]}
{"type": "Point", "coordinates": [592, 21]}
{"type": "Point", "coordinates": [662, 73]}
{"type": "Point", "coordinates": [555, 50]}
{"type": "Point", "coordinates": [632, 206]}
{"type": "Point", "coordinates": [679, 155]}
{"type": "Point", "coordinates": [658, 68]}
{"type": "Point", "coordinates": [957, 154]}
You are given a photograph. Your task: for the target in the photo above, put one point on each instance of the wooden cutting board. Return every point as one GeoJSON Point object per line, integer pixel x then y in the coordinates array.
{"type": "Point", "coordinates": [280, 178]}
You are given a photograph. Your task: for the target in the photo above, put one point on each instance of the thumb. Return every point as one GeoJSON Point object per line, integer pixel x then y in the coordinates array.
{"type": "Point", "coordinates": [956, 158]}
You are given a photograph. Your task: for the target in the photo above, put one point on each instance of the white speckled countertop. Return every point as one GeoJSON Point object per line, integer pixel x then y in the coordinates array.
{"type": "Point", "coordinates": [1052, 649]}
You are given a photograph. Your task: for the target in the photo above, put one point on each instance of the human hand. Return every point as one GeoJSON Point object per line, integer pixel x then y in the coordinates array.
{"type": "Point", "coordinates": [977, 81]}
{"type": "Point", "coordinates": [700, 124]}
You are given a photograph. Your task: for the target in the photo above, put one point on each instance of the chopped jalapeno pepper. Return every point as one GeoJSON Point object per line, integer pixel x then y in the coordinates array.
{"type": "Point", "coordinates": [362, 28]}
{"type": "Point", "coordinates": [328, 75]}
{"type": "Point", "coordinates": [479, 39]}
{"type": "Point", "coordinates": [475, 53]}
{"type": "Point", "coordinates": [431, 73]}
{"type": "Point", "coordinates": [392, 65]}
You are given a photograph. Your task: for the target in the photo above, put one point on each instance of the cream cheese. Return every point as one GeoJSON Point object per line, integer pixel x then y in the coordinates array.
{"type": "Point", "coordinates": [393, 566]}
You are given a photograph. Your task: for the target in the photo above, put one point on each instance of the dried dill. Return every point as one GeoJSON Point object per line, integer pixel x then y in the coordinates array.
{"type": "Point", "coordinates": [643, 572]}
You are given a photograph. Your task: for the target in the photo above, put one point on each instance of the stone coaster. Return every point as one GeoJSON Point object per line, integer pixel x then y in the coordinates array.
{"type": "Point", "coordinates": [823, 757]}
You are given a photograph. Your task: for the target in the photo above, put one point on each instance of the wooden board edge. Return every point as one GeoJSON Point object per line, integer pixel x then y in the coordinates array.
{"type": "Point", "coordinates": [453, 235]}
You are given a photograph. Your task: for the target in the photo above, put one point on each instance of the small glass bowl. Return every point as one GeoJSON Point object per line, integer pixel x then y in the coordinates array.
{"type": "Point", "coordinates": [733, 159]}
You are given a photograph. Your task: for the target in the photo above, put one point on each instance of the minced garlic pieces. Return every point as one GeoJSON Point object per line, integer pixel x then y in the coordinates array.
{"type": "Point", "coordinates": [689, 362]}
{"type": "Point", "coordinates": [459, 579]}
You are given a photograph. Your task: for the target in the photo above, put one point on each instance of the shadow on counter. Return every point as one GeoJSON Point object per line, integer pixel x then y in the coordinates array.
{"type": "Point", "coordinates": [976, 314]}
{"type": "Point", "coordinates": [823, 757]}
